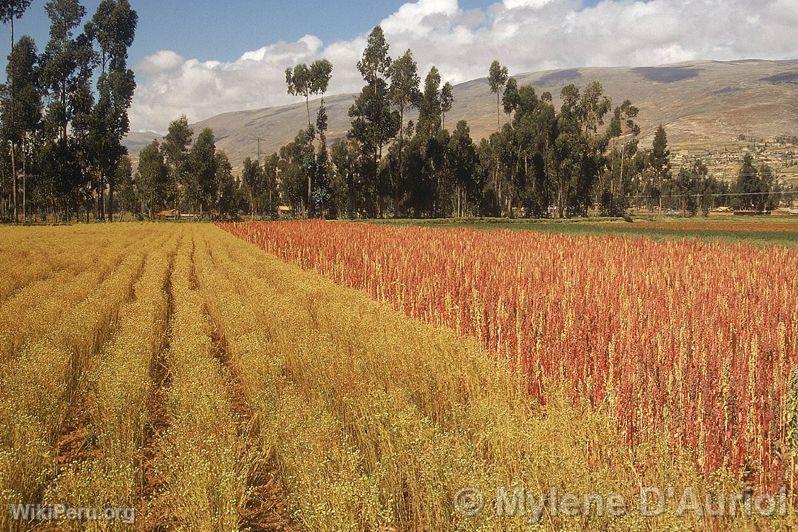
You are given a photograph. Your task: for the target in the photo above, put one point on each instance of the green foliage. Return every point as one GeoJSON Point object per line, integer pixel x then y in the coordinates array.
{"type": "Point", "coordinates": [374, 123]}
{"type": "Point", "coordinates": [12, 9]}
{"type": "Point", "coordinates": [497, 79]}
{"type": "Point", "coordinates": [761, 185]}
{"type": "Point", "coordinates": [152, 181]}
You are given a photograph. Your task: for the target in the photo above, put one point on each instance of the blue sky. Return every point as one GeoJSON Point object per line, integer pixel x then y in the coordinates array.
{"type": "Point", "coordinates": [224, 29]}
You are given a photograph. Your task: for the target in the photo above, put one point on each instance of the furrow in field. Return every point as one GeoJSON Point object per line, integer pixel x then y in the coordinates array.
{"type": "Point", "coordinates": [265, 505]}
{"type": "Point", "coordinates": [100, 449]}
{"type": "Point", "coordinates": [413, 462]}
{"type": "Point", "coordinates": [38, 387]}
{"type": "Point", "coordinates": [200, 462]}
{"type": "Point", "coordinates": [312, 448]}
{"type": "Point", "coordinates": [381, 372]}
{"type": "Point", "coordinates": [159, 381]}
{"type": "Point", "coordinates": [41, 306]}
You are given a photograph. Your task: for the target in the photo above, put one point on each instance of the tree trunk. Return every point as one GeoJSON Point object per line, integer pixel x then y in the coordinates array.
{"type": "Point", "coordinates": [398, 186]}
{"type": "Point", "coordinates": [24, 186]}
{"type": "Point", "coordinates": [498, 114]}
{"type": "Point", "coordinates": [13, 106]}
{"type": "Point", "coordinates": [14, 182]}
{"type": "Point", "coordinates": [111, 200]}
{"type": "Point", "coordinates": [310, 184]}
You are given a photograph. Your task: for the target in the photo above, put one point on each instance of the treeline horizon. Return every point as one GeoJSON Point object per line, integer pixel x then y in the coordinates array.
{"type": "Point", "coordinates": [541, 161]}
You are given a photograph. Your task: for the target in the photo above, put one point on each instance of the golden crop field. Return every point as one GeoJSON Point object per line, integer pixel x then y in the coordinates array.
{"type": "Point", "coordinates": [174, 376]}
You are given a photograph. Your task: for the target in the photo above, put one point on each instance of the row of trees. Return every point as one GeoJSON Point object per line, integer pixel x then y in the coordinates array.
{"type": "Point", "coordinates": [183, 174]}
{"type": "Point", "coordinates": [65, 111]}
{"type": "Point", "coordinates": [541, 160]}
{"type": "Point", "coordinates": [65, 155]}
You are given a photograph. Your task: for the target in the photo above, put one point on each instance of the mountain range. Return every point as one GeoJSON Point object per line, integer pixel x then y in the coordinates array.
{"type": "Point", "coordinates": [697, 102]}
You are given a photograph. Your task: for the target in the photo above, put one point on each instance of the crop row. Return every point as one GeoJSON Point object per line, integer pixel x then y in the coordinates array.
{"type": "Point", "coordinates": [375, 419]}
{"type": "Point", "coordinates": [688, 340]}
{"type": "Point", "coordinates": [39, 386]}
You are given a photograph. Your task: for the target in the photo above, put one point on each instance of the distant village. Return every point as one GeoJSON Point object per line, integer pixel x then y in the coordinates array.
{"type": "Point", "coordinates": [724, 160]}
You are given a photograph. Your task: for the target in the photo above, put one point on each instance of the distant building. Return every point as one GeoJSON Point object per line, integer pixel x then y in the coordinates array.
{"type": "Point", "coordinates": [169, 214]}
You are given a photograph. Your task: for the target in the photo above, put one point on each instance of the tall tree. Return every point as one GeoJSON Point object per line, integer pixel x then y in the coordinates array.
{"type": "Point", "coordinates": [128, 188]}
{"type": "Point", "coordinates": [660, 161]}
{"type": "Point", "coordinates": [270, 194]}
{"type": "Point", "coordinates": [300, 83]}
{"type": "Point", "coordinates": [622, 135]}
{"type": "Point", "coordinates": [10, 10]}
{"type": "Point", "coordinates": [579, 148]}
{"type": "Point", "coordinates": [447, 100]}
{"type": "Point", "coordinates": [203, 164]}
{"type": "Point", "coordinates": [296, 160]}
{"type": "Point", "coordinates": [153, 178]}
{"type": "Point", "coordinates": [463, 162]}
{"type": "Point", "coordinates": [113, 27]}
{"type": "Point", "coordinates": [321, 170]}
{"type": "Point", "coordinates": [304, 81]}
{"type": "Point", "coordinates": [373, 122]}
{"type": "Point", "coordinates": [320, 74]}
{"type": "Point", "coordinates": [511, 98]}
{"type": "Point", "coordinates": [374, 67]}
{"type": "Point", "coordinates": [68, 63]}
{"type": "Point", "coordinates": [226, 187]}
{"type": "Point", "coordinates": [175, 148]}
{"type": "Point", "coordinates": [404, 94]}
{"type": "Point", "coordinates": [430, 108]}
{"type": "Point", "coordinates": [497, 78]}
{"type": "Point", "coordinates": [21, 112]}
{"type": "Point", "coordinates": [252, 178]}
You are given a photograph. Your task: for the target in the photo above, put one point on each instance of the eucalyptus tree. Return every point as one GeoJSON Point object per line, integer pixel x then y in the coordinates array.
{"type": "Point", "coordinates": [622, 134]}
{"type": "Point", "coordinates": [579, 147]}
{"type": "Point", "coordinates": [404, 94]}
{"type": "Point", "coordinates": [447, 100]}
{"type": "Point", "coordinates": [306, 80]}
{"type": "Point", "coordinates": [175, 148]}
{"type": "Point", "coordinates": [21, 114]}
{"type": "Point", "coordinates": [374, 124]}
{"type": "Point", "coordinates": [252, 178]}
{"type": "Point", "coordinates": [430, 106]}
{"type": "Point", "coordinates": [299, 83]}
{"type": "Point", "coordinates": [497, 79]}
{"type": "Point", "coordinates": [113, 27]}
{"type": "Point", "coordinates": [203, 164]}
{"type": "Point", "coordinates": [11, 10]}
{"type": "Point", "coordinates": [152, 179]}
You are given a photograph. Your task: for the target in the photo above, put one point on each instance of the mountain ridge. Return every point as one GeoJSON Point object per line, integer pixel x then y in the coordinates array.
{"type": "Point", "coordinates": [697, 102]}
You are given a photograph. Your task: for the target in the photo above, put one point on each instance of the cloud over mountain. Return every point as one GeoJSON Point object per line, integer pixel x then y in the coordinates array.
{"type": "Point", "coordinates": [526, 35]}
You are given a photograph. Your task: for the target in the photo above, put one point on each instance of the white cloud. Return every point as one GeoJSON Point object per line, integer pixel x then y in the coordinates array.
{"type": "Point", "coordinates": [526, 35]}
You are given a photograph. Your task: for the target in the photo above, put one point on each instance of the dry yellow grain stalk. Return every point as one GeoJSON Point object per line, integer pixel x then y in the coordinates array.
{"type": "Point", "coordinates": [313, 452]}
{"type": "Point", "coordinates": [199, 463]}
{"type": "Point", "coordinates": [39, 307]}
{"type": "Point", "coordinates": [119, 385]}
{"type": "Point", "coordinates": [38, 386]}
